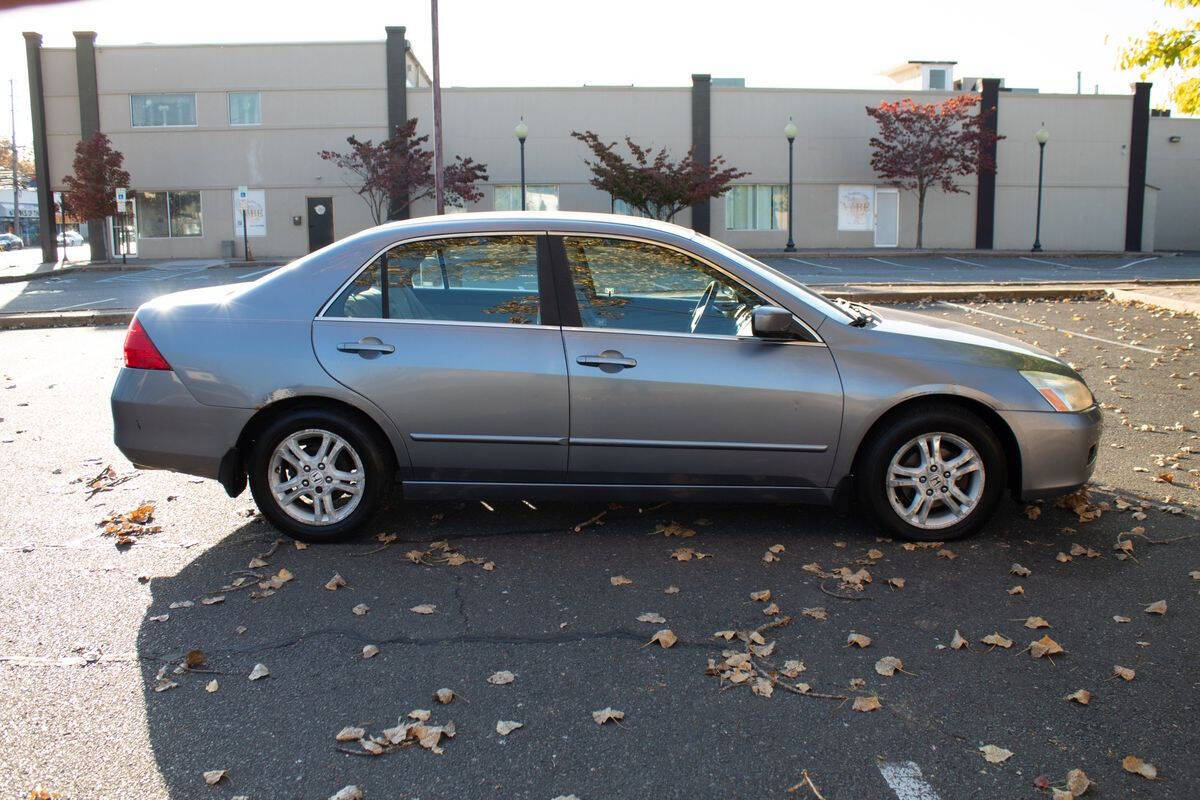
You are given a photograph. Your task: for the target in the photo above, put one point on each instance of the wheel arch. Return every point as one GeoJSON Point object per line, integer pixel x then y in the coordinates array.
{"type": "Point", "coordinates": [1008, 440]}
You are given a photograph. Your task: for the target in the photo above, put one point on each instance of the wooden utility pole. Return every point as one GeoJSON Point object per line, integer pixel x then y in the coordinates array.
{"type": "Point", "coordinates": [439, 188]}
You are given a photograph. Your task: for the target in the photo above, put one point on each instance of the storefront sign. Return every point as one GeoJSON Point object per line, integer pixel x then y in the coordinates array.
{"type": "Point", "coordinates": [255, 201]}
{"type": "Point", "coordinates": [856, 208]}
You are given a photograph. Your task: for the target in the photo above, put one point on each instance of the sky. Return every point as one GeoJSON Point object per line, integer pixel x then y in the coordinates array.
{"type": "Point", "coordinates": [803, 43]}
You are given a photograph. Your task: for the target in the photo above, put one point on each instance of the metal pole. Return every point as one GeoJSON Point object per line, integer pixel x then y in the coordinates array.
{"type": "Point", "coordinates": [522, 141]}
{"type": "Point", "coordinates": [245, 238]}
{"type": "Point", "coordinates": [791, 244]}
{"type": "Point", "coordinates": [13, 142]}
{"type": "Point", "coordinates": [61, 215]}
{"type": "Point", "coordinates": [1037, 234]}
{"type": "Point", "coordinates": [438, 178]}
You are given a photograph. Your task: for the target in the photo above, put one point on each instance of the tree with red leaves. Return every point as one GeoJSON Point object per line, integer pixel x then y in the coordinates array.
{"type": "Point", "coordinates": [397, 172]}
{"type": "Point", "coordinates": [90, 192]}
{"type": "Point", "coordinates": [923, 146]}
{"type": "Point", "coordinates": [651, 182]}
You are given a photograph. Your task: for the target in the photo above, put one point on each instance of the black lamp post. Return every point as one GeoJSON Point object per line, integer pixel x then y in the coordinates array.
{"type": "Point", "coordinates": [1041, 137]}
{"type": "Point", "coordinates": [522, 130]}
{"type": "Point", "coordinates": [789, 131]}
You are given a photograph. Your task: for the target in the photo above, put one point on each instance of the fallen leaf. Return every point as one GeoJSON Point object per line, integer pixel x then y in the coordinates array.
{"type": "Point", "coordinates": [858, 639]}
{"type": "Point", "coordinates": [1017, 590]}
{"type": "Point", "coordinates": [888, 665]}
{"type": "Point", "coordinates": [874, 554]}
{"type": "Point", "coordinates": [335, 583]}
{"type": "Point", "coordinates": [1033, 512]}
{"type": "Point", "coordinates": [371, 746]}
{"type": "Point", "coordinates": [424, 608]}
{"type": "Point", "coordinates": [726, 635]}
{"type": "Point", "coordinates": [212, 686]}
{"type": "Point", "coordinates": [1081, 696]}
{"type": "Point", "coordinates": [896, 582]}
{"type": "Point", "coordinates": [1080, 550]}
{"type": "Point", "coordinates": [347, 793]}
{"type": "Point", "coordinates": [1119, 618]}
{"type": "Point", "coordinates": [212, 601]}
{"type": "Point", "coordinates": [214, 776]}
{"type": "Point", "coordinates": [420, 714]}
{"type": "Point", "coordinates": [769, 557]}
{"type": "Point", "coordinates": [606, 714]}
{"type": "Point", "coordinates": [1017, 569]}
{"type": "Point", "coordinates": [958, 642]}
{"type": "Point", "coordinates": [664, 637]}
{"type": "Point", "coordinates": [370, 651]}
{"type": "Point", "coordinates": [761, 596]}
{"type": "Point", "coordinates": [350, 734]}
{"type": "Point", "coordinates": [257, 563]}
{"type": "Point", "coordinates": [815, 613]}
{"type": "Point", "coordinates": [1078, 782]}
{"type": "Point", "coordinates": [300, 545]}
{"type": "Point", "coordinates": [997, 640]}
{"type": "Point", "coordinates": [360, 609]}
{"type": "Point", "coordinates": [771, 610]}
{"type": "Point", "coordinates": [619, 580]}
{"type": "Point", "coordinates": [1062, 558]}
{"type": "Point", "coordinates": [1138, 767]}
{"type": "Point", "coordinates": [651, 616]}
{"type": "Point", "coordinates": [1125, 673]}
{"type": "Point", "coordinates": [1195, 574]}
{"type": "Point", "coordinates": [792, 668]}
{"type": "Point", "coordinates": [284, 575]}
{"type": "Point", "coordinates": [259, 671]}
{"type": "Point", "coordinates": [949, 555]}
{"type": "Point", "coordinates": [687, 554]}
{"type": "Point", "coordinates": [675, 529]}
{"type": "Point", "coordinates": [671, 590]}
{"type": "Point", "coordinates": [1045, 646]}
{"type": "Point", "coordinates": [444, 696]}
{"type": "Point", "coordinates": [160, 618]}
{"type": "Point", "coordinates": [194, 658]}
{"type": "Point", "coordinates": [995, 755]}
{"type": "Point", "coordinates": [866, 704]}
{"type": "Point", "coordinates": [1157, 607]}
{"type": "Point", "coordinates": [505, 727]}
{"type": "Point", "coordinates": [488, 566]}
{"type": "Point", "coordinates": [502, 677]}
{"type": "Point", "coordinates": [1036, 622]}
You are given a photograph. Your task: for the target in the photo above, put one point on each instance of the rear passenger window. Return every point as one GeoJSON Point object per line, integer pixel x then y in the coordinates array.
{"type": "Point", "coordinates": [465, 279]}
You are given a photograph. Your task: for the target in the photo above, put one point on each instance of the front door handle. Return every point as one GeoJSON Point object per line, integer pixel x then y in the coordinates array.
{"type": "Point", "coordinates": [609, 358]}
{"type": "Point", "coordinates": [366, 347]}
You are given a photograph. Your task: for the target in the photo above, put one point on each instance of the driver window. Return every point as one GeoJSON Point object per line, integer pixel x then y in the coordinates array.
{"type": "Point", "coordinates": [640, 286]}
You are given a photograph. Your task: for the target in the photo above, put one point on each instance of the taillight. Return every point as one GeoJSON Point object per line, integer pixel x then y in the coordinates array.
{"type": "Point", "coordinates": [140, 352]}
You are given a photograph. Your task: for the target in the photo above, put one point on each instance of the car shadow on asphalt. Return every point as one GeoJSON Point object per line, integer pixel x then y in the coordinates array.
{"type": "Point", "coordinates": [533, 596]}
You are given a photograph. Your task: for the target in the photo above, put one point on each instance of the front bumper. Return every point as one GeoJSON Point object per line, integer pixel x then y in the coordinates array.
{"type": "Point", "coordinates": [1058, 449]}
{"type": "Point", "coordinates": [157, 424]}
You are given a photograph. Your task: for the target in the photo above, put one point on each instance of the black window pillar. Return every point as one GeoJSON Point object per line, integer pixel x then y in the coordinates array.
{"type": "Point", "coordinates": [397, 100]}
{"type": "Point", "coordinates": [701, 142]}
{"type": "Point", "coordinates": [1138, 136]}
{"type": "Point", "coordinates": [89, 122]}
{"type": "Point", "coordinates": [985, 198]}
{"type": "Point", "coordinates": [41, 163]}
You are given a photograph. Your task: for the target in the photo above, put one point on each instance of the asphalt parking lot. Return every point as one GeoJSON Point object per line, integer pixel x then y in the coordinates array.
{"type": "Point", "coordinates": [86, 628]}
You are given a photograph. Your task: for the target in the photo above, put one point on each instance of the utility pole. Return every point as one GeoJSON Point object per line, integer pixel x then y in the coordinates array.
{"type": "Point", "coordinates": [438, 187]}
{"type": "Point", "coordinates": [12, 111]}
{"type": "Point", "coordinates": [1078, 83]}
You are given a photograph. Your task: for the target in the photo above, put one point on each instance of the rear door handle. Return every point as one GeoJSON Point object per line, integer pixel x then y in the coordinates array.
{"type": "Point", "coordinates": [609, 358]}
{"type": "Point", "coordinates": [366, 347]}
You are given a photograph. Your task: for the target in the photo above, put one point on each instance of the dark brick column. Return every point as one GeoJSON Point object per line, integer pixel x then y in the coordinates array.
{"type": "Point", "coordinates": [985, 198]}
{"type": "Point", "coordinates": [41, 162]}
{"type": "Point", "coordinates": [89, 122]}
{"type": "Point", "coordinates": [397, 99]}
{"type": "Point", "coordinates": [1138, 137]}
{"type": "Point", "coordinates": [701, 142]}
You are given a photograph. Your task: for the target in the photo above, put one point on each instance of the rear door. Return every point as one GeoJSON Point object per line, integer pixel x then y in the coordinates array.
{"type": "Point", "coordinates": [453, 337]}
{"type": "Point", "coordinates": [320, 222]}
{"type": "Point", "coordinates": [669, 387]}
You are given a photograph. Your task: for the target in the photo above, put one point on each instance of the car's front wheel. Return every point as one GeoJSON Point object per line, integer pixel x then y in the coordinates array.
{"type": "Point", "coordinates": [317, 474]}
{"type": "Point", "coordinates": [934, 475]}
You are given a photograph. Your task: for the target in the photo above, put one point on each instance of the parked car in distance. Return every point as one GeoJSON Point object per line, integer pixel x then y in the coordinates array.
{"type": "Point", "coordinates": [10, 241]}
{"type": "Point", "coordinates": [70, 238]}
{"type": "Point", "coordinates": [565, 355]}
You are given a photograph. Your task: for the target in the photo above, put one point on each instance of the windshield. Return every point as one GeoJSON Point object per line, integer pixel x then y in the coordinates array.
{"type": "Point", "coordinates": [793, 286]}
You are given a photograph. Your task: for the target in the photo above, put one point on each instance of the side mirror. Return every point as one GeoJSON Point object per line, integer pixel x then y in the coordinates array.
{"type": "Point", "coordinates": [771, 321]}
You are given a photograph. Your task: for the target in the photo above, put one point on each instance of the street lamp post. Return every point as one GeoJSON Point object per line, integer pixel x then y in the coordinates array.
{"type": "Point", "coordinates": [789, 131]}
{"type": "Point", "coordinates": [522, 130]}
{"type": "Point", "coordinates": [1041, 137]}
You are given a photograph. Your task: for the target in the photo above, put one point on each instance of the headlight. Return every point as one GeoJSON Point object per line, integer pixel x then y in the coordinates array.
{"type": "Point", "coordinates": [1061, 392]}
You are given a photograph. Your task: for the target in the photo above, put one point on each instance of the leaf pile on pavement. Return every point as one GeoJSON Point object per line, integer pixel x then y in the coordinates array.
{"type": "Point", "coordinates": [444, 553]}
{"type": "Point", "coordinates": [131, 524]}
{"type": "Point", "coordinates": [415, 731]}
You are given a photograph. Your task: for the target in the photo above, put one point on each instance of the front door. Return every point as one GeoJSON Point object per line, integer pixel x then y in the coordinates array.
{"type": "Point", "coordinates": [887, 217]}
{"type": "Point", "coordinates": [669, 387]}
{"type": "Point", "coordinates": [451, 338]}
{"type": "Point", "coordinates": [320, 222]}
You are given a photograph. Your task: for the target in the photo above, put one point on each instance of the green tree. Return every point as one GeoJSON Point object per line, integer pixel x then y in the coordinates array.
{"type": "Point", "coordinates": [1173, 50]}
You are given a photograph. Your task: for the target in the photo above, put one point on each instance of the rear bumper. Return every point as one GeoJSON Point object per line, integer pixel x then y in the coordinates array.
{"type": "Point", "coordinates": [157, 424]}
{"type": "Point", "coordinates": [1058, 449]}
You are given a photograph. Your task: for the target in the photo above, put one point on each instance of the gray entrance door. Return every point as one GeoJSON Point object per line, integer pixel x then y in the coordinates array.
{"type": "Point", "coordinates": [320, 222]}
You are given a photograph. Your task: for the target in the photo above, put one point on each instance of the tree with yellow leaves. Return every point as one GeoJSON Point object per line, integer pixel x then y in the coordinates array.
{"type": "Point", "coordinates": [1175, 50]}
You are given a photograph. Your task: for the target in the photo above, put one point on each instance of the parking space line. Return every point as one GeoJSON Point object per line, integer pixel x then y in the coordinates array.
{"type": "Point", "coordinates": [964, 261]}
{"type": "Point", "coordinates": [1139, 261]}
{"type": "Point", "coordinates": [906, 780]}
{"type": "Point", "coordinates": [1051, 263]}
{"type": "Point", "coordinates": [272, 269]}
{"type": "Point", "coordinates": [813, 264]}
{"type": "Point", "coordinates": [1047, 327]}
{"type": "Point", "coordinates": [87, 303]}
{"type": "Point", "coordinates": [909, 267]}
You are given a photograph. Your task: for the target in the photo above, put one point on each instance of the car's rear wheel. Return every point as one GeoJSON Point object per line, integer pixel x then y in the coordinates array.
{"type": "Point", "coordinates": [934, 475]}
{"type": "Point", "coordinates": [317, 474]}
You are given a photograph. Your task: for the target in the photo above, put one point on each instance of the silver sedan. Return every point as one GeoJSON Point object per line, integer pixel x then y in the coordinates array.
{"type": "Point", "coordinates": [591, 356]}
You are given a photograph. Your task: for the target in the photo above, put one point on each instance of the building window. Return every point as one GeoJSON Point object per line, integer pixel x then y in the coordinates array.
{"type": "Point", "coordinates": [937, 79]}
{"type": "Point", "coordinates": [621, 207]}
{"type": "Point", "coordinates": [538, 197]}
{"type": "Point", "coordinates": [759, 207]}
{"type": "Point", "coordinates": [162, 110]}
{"type": "Point", "coordinates": [163, 215]}
{"type": "Point", "coordinates": [245, 108]}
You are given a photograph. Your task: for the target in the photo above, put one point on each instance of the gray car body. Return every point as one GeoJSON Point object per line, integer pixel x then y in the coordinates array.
{"type": "Point", "coordinates": [493, 409]}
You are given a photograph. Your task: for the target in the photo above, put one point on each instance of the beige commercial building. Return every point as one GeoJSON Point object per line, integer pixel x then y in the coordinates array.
{"type": "Point", "coordinates": [196, 122]}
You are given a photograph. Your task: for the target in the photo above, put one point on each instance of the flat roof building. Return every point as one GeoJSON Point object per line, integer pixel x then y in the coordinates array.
{"type": "Point", "coordinates": [195, 122]}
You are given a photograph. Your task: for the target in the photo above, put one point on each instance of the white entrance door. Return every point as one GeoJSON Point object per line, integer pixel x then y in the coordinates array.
{"type": "Point", "coordinates": [123, 230]}
{"type": "Point", "coordinates": [887, 217]}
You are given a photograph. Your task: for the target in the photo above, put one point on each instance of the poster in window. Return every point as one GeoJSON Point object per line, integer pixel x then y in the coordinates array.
{"type": "Point", "coordinates": [856, 208]}
{"type": "Point", "coordinates": [256, 213]}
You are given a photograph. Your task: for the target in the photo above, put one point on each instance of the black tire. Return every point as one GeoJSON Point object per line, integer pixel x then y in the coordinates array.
{"type": "Point", "coordinates": [377, 472]}
{"type": "Point", "coordinates": [933, 418]}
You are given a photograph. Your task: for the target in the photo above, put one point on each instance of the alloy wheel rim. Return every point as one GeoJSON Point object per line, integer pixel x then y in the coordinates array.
{"type": "Point", "coordinates": [316, 477]}
{"type": "Point", "coordinates": [935, 480]}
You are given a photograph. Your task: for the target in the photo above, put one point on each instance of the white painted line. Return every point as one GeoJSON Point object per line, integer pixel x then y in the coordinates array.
{"type": "Point", "coordinates": [907, 781]}
{"type": "Point", "coordinates": [260, 272]}
{"type": "Point", "coordinates": [1051, 263]}
{"type": "Point", "coordinates": [813, 264]}
{"type": "Point", "coordinates": [1139, 261]}
{"type": "Point", "coordinates": [964, 261]}
{"type": "Point", "coordinates": [88, 303]}
{"type": "Point", "coordinates": [1047, 327]}
{"type": "Point", "coordinates": [892, 263]}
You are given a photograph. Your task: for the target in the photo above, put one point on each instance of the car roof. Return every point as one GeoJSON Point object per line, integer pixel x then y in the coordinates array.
{"type": "Point", "coordinates": [534, 220]}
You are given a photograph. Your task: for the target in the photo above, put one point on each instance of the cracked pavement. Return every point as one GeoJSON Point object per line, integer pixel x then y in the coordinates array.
{"type": "Point", "coordinates": [549, 613]}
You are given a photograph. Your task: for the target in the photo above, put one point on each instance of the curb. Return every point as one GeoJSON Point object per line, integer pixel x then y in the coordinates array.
{"type": "Point", "coordinates": [1159, 301]}
{"type": "Point", "coordinates": [65, 319]}
{"type": "Point", "coordinates": [966, 253]}
{"type": "Point", "coordinates": [33, 276]}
